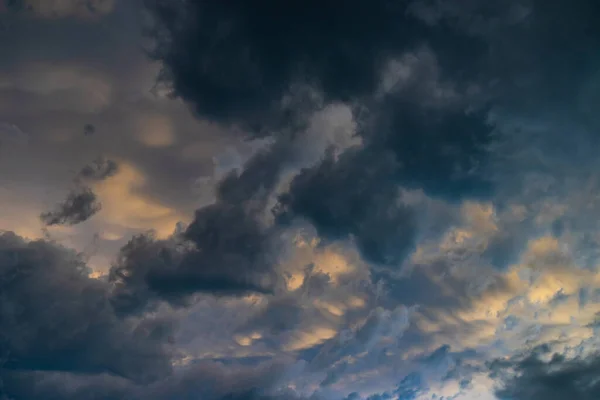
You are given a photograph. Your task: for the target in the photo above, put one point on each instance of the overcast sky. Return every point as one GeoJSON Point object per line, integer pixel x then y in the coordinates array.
{"type": "Point", "coordinates": [324, 200]}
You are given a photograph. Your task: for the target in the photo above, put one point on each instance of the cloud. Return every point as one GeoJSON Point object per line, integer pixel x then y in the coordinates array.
{"type": "Point", "coordinates": [125, 203]}
{"type": "Point", "coordinates": [438, 154]}
{"type": "Point", "coordinates": [11, 134]}
{"type": "Point", "coordinates": [155, 131]}
{"type": "Point", "coordinates": [228, 243]}
{"type": "Point", "coordinates": [56, 318]}
{"type": "Point", "coordinates": [235, 64]}
{"type": "Point", "coordinates": [63, 8]}
{"type": "Point", "coordinates": [81, 202]}
{"type": "Point", "coordinates": [358, 194]}
{"type": "Point", "coordinates": [210, 381]}
{"type": "Point", "coordinates": [100, 169]}
{"type": "Point", "coordinates": [60, 338]}
{"type": "Point", "coordinates": [380, 328]}
{"type": "Point", "coordinates": [540, 374]}
{"type": "Point", "coordinates": [343, 198]}
{"type": "Point", "coordinates": [59, 86]}
{"type": "Point", "coordinates": [79, 206]}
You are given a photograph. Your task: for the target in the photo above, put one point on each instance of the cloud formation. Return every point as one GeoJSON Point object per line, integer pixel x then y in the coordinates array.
{"type": "Point", "coordinates": [56, 318]}
{"type": "Point", "coordinates": [81, 202]}
{"type": "Point", "coordinates": [225, 249]}
{"type": "Point", "coordinates": [236, 63]}
{"type": "Point", "coordinates": [543, 374]}
{"type": "Point", "coordinates": [80, 205]}
{"type": "Point", "coordinates": [393, 194]}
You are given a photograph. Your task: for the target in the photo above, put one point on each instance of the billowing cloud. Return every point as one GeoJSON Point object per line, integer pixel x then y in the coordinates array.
{"type": "Point", "coordinates": [235, 64]}
{"type": "Point", "coordinates": [343, 198]}
{"type": "Point", "coordinates": [544, 374]}
{"type": "Point", "coordinates": [56, 318]}
{"type": "Point", "coordinates": [227, 243]}
{"type": "Point", "coordinates": [389, 195]}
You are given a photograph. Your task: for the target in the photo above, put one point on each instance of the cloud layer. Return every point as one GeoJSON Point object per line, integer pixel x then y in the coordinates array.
{"type": "Point", "coordinates": [385, 200]}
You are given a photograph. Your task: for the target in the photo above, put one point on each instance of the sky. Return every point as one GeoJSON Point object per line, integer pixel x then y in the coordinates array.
{"type": "Point", "coordinates": [301, 200]}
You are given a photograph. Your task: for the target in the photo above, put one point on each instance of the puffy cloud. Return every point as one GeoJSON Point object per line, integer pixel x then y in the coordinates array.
{"type": "Point", "coordinates": [439, 155]}
{"type": "Point", "coordinates": [229, 243]}
{"type": "Point", "coordinates": [543, 374]}
{"type": "Point", "coordinates": [358, 193]}
{"type": "Point", "coordinates": [56, 318]}
{"type": "Point", "coordinates": [235, 64]}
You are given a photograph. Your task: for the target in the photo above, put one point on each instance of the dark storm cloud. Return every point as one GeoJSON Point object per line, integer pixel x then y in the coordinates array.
{"type": "Point", "coordinates": [532, 378]}
{"type": "Point", "coordinates": [226, 249]}
{"type": "Point", "coordinates": [54, 318]}
{"type": "Point", "coordinates": [540, 52]}
{"type": "Point", "coordinates": [442, 152]}
{"type": "Point", "coordinates": [355, 195]}
{"type": "Point", "coordinates": [235, 62]}
{"type": "Point", "coordinates": [79, 206]}
{"type": "Point", "coordinates": [60, 339]}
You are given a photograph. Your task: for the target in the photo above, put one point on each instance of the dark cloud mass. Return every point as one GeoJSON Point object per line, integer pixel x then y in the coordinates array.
{"type": "Point", "coordinates": [224, 250]}
{"type": "Point", "coordinates": [356, 196]}
{"type": "Point", "coordinates": [55, 318]}
{"type": "Point", "coordinates": [531, 377]}
{"type": "Point", "coordinates": [443, 152]}
{"type": "Point", "coordinates": [234, 62]}
{"type": "Point", "coordinates": [80, 205]}
{"type": "Point", "coordinates": [459, 134]}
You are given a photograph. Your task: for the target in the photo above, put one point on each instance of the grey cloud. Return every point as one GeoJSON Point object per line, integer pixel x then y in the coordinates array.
{"type": "Point", "coordinates": [540, 77]}
{"type": "Point", "coordinates": [89, 129]}
{"type": "Point", "coordinates": [535, 376]}
{"type": "Point", "coordinates": [10, 134]}
{"type": "Point", "coordinates": [206, 381]}
{"type": "Point", "coordinates": [367, 337]}
{"type": "Point", "coordinates": [80, 205]}
{"type": "Point", "coordinates": [235, 63]}
{"type": "Point", "coordinates": [100, 169]}
{"type": "Point", "coordinates": [226, 249]}
{"type": "Point", "coordinates": [405, 144]}
{"type": "Point", "coordinates": [356, 197]}
{"type": "Point", "coordinates": [441, 152]}
{"type": "Point", "coordinates": [54, 318]}
{"type": "Point", "coordinates": [445, 152]}
{"type": "Point", "coordinates": [61, 8]}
